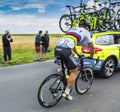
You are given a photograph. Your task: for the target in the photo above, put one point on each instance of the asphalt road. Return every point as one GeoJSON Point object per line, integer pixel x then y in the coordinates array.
{"type": "Point", "coordinates": [19, 85]}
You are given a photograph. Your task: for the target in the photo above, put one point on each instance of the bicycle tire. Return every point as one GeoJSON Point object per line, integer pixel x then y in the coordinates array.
{"type": "Point", "coordinates": [117, 21]}
{"type": "Point", "coordinates": [103, 19]}
{"type": "Point", "coordinates": [50, 90]}
{"type": "Point", "coordinates": [65, 23]}
{"type": "Point", "coordinates": [84, 81]}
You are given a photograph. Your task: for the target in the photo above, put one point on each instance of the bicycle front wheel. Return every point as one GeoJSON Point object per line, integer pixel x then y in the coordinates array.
{"type": "Point", "coordinates": [50, 90]}
{"type": "Point", "coordinates": [84, 81]}
{"type": "Point", "coordinates": [65, 23]}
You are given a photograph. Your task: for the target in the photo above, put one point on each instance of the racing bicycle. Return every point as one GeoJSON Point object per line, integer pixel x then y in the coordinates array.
{"type": "Point", "coordinates": [70, 20]}
{"type": "Point", "coordinates": [110, 17]}
{"type": "Point", "coordinates": [76, 14]}
{"type": "Point", "coordinates": [51, 89]}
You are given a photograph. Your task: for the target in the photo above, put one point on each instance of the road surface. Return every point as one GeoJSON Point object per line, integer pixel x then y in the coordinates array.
{"type": "Point", "coordinates": [19, 85]}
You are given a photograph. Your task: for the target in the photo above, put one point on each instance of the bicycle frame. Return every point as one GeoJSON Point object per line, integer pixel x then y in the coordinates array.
{"type": "Point", "coordinates": [80, 61]}
{"type": "Point", "coordinates": [116, 9]}
{"type": "Point", "coordinates": [93, 20]}
{"type": "Point", "coordinates": [73, 14]}
{"type": "Point", "coordinates": [54, 85]}
{"type": "Point", "coordinates": [109, 15]}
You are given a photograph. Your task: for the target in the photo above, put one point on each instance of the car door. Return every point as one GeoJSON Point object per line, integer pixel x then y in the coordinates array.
{"type": "Point", "coordinates": [117, 44]}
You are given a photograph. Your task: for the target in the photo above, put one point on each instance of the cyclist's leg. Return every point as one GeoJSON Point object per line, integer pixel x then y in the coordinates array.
{"type": "Point", "coordinates": [71, 79]}
{"type": "Point", "coordinates": [71, 65]}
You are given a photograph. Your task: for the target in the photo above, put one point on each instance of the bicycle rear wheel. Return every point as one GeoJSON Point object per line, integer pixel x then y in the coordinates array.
{"type": "Point", "coordinates": [50, 90]}
{"type": "Point", "coordinates": [84, 81]}
{"type": "Point", "coordinates": [65, 23]}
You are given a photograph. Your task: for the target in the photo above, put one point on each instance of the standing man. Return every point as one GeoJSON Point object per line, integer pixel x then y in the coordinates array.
{"type": "Point", "coordinates": [47, 40]}
{"type": "Point", "coordinates": [37, 46]}
{"type": "Point", "coordinates": [64, 49]}
{"type": "Point", "coordinates": [45, 43]}
{"type": "Point", "coordinates": [6, 39]}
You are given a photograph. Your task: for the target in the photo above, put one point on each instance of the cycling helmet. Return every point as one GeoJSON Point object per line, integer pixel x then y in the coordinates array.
{"type": "Point", "coordinates": [84, 22]}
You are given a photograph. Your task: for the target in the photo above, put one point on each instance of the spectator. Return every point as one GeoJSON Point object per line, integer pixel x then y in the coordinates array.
{"type": "Point", "coordinates": [6, 39]}
{"type": "Point", "coordinates": [45, 43]}
{"type": "Point", "coordinates": [37, 46]}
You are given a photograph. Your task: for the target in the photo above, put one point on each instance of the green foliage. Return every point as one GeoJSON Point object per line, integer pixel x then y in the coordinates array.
{"type": "Point", "coordinates": [24, 53]}
{"type": "Point", "coordinates": [24, 56]}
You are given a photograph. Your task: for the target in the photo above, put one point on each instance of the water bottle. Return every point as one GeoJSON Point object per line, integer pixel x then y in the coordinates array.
{"type": "Point", "coordinates": [66, 74]}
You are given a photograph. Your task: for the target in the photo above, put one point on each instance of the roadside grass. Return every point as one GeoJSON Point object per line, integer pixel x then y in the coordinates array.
{"type": "Point", "coordinates": [23, 50]}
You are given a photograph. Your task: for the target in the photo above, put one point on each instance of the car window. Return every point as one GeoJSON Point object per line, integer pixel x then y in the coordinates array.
{"type": "Point", "coordinates": [117, 39]}
{"type": "Point", "coordinates": [105, 40]}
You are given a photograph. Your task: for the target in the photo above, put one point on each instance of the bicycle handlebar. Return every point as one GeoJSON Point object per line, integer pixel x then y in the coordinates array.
{"type": "Point", "coordinates": [114, 3]}
{"type": "Point", "coordinates": [69, 6]}
{"type": "Point", "coordinates": [81, 8]}
{"type": "Point", "coordinates": [81, 56]}
{"type": "Point", "coordinates": [73, 6]}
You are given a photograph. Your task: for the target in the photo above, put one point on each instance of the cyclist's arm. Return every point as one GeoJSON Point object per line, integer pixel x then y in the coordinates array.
{"type": "Point", "coordinates": [75, 51]}
{"type": "Point", "coordinates": [91, 49]}
{"type": "Point", "coordinates": [90, 43]}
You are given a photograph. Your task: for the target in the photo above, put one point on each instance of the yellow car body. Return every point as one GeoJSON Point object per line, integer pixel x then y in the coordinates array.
{"type": "Point", "coordinates": [107, 48]}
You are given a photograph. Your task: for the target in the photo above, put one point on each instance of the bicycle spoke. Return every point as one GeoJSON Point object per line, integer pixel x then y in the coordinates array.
{"type": "Point", "coordinates": [51, 90]}
{"type": "Point", "coordinates": [84, 81]}
{"type": "Point", "coordinates": [65, 23]}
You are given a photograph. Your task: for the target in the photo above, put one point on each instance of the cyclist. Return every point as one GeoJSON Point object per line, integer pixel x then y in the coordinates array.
{"type": "Point", "coordinates": [66, 45]}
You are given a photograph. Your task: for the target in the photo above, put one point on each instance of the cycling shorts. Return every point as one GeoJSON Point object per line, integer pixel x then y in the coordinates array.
{"type": "Point", "coordinates": [66, 55]}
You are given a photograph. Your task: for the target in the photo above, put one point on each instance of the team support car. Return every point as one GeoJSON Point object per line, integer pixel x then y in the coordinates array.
{"type": "Point", "coordinates": [107, 48]}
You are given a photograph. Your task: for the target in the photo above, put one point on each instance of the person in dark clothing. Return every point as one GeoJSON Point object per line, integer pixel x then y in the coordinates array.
{"type": "Point", "coordinates": [37, 46]}
{"type": "Point", "coordinates": [45, 43]}
{"type": "Point", "coordinates": [6, 39]}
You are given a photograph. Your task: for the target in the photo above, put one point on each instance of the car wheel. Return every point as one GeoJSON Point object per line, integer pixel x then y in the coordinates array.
{"type": "Point", "coordinates": [108, 68]}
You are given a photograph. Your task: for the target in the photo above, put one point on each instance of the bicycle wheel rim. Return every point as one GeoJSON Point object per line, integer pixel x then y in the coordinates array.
{"type": "Point", "coordinates": [65, 23]}
{"type": "Point", "coordinates": [50, 91]}
{"type": "Point", "coordinates": [84, 83]}
{"type": "Point", "coordinates": [117, 21]}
